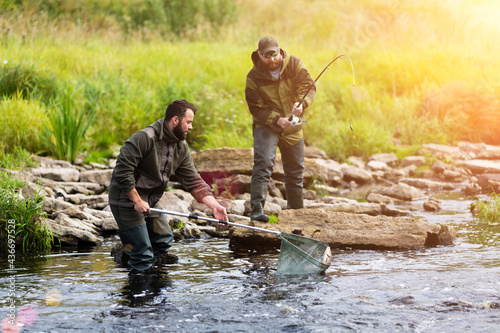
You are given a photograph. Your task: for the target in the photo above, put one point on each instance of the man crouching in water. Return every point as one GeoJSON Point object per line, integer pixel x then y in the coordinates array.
{"type": "Point", "coordinates": [146, 162]}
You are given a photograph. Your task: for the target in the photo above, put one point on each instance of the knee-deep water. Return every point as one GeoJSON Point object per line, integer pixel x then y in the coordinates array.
{"type": "Point", "coordinates": [211, 289]}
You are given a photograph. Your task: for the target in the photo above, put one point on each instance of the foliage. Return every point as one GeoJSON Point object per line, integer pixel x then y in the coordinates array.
{"type": "Point", "coordinates": [25, 81]}
{"type": "Point", "coordinates": [129, 59]}
{"type": "Point", "coordinates": [489, 210]}
{"type": "Point", "coordinates": [273, 219]}
{"type": "Point", "coordinates": [26, 213]}
{"type": "Point", "coordinates": [20, 123]}
{"type": "Point", "coordinates": [68, 124]}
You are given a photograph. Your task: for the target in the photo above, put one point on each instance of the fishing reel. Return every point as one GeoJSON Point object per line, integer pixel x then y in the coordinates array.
{"type": "Point", "coordinates": [294, 120]}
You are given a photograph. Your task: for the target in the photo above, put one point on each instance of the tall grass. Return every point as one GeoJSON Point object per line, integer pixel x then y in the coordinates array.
{"type": "Point", "coordinates": [26, 81]}
{"type": "Point", "coordinates": [20, 123]}
{"type": "Point", "coordinates": [410, 60]}
{"type": "Point", "coordinates": [67, 125]}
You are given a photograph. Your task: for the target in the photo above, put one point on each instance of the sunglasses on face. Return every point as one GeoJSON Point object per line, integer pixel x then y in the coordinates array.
{"type": "Point", "coordinates": [270, 54]}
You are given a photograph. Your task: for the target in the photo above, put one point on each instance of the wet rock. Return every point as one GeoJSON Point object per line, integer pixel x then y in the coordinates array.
{"type": "Point", "coordinates": [69, 235]}
{"type": "Point", "coordinates": [431, 205]}
{"type": "Point", "coordinates": [66, 221]}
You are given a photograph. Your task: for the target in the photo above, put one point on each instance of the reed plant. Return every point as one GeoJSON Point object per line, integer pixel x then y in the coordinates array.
{"type": "Point", "coordinates": [67, 125]}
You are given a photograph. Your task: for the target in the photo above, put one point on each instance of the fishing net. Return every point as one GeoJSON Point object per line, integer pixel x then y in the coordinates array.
{"type": "Point", "coordinates": [302, 255]}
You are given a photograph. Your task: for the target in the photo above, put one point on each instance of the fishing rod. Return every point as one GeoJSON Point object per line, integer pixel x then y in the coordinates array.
{"type": "Point", "coordinates": [297, 120]}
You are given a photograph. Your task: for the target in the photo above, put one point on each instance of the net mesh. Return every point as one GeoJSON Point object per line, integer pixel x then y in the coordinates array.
{"type": "Point", "coordinates": [302, 255]}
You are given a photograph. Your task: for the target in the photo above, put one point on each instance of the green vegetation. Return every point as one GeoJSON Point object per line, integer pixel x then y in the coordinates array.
{"type": "Point", "coordinates": [81, 77]}
{"type": "Point", "coordinates": [487, 220]}
{"type": "Point", "coordinates": [115, 66]}
{"type": "Point", "coordinates": [21, 218]}
{"type": "Point", "coordinates": [489, 211]}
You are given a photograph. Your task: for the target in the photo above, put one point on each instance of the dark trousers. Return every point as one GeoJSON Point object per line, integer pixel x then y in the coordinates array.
{"type": "Point", "coordinates": [143, 238]}
{"type": "Point", "coordinates": [265, 144]}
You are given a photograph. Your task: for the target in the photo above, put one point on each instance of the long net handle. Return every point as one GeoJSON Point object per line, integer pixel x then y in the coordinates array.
{"type": "Point", "coordinates": [196, 217]}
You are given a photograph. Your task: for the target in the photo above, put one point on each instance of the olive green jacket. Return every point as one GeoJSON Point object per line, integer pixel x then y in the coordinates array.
{"type": "Point", "coordinates": [146, 162]}
{"type": "Point", "coordinates": [269, 98]}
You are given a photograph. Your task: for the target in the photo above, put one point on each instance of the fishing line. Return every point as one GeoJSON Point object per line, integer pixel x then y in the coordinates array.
{"type": "Point", "coordinates": [296, 120]}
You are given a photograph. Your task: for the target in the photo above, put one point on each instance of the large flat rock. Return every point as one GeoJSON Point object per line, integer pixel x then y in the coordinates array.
{"type": "Point", "coordinates": [342, 230]}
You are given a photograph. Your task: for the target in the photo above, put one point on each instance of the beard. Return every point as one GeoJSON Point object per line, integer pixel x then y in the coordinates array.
{"type": "Point", "coordinates": [179, 133]}
{"type": "Point", "coordinates": [274, 64]}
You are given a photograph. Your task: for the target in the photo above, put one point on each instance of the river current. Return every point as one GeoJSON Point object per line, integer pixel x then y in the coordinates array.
{"type": "Point", "coordinates": [211, 289]}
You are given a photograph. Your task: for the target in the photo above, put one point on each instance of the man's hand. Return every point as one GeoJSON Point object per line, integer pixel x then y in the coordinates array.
{"type": "Point", "coordinates": [298, 109]}
{"type": "Point", "coordinates": [220, 213]}
{"type": "Point", "coordinates": [140, 205]}
{"type": "Point", "coordinates": [218, 210]}
{"type": "Point", "coordinates": [284, 123]}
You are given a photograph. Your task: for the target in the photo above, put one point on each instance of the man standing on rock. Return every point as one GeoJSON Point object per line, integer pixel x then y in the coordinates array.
{"type": "Point", "coordinates": [273, 86]}
{"type": "Point", "coordinates": [146, 162]}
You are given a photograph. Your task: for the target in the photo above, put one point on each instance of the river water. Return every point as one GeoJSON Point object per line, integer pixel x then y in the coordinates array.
{"type": "Point", "coordinates": [443, 289]}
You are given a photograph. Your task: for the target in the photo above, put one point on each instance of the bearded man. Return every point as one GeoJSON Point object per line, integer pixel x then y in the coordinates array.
{"type": "Point", "coordinates": [144, 166]}
{"type": "Point", "coordinates": [273, 86]}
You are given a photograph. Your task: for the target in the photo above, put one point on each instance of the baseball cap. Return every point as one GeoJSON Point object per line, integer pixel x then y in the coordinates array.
{"type": "Point", "coordinates": [267, 44]}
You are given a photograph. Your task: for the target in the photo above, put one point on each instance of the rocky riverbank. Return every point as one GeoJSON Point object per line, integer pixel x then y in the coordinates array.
{"type": "Point", "coordinates": [77, 208]}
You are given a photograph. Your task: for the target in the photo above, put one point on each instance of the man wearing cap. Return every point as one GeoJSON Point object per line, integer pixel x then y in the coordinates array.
{"type": "Point", "coordinates": [273, 86]}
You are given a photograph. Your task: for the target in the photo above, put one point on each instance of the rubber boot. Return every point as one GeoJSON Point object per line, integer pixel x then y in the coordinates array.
{"type": "Point", "coordinates": [258, 195]}
{"type": "Point", "coordinates": [138, 247]}
{"type": "Point", "coordinates": [294, 199]}
{"type": "Point", "coordinates": [160, 235]}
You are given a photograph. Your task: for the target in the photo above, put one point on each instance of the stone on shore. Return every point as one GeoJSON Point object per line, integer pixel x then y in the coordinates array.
{"type": "Point", "coordinates": [347, 230]}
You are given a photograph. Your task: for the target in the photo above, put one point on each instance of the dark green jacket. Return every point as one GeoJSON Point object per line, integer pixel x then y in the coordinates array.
{"type": "Point", "coordinates": [269, 99]}
{"type": "Point", "coordinates": [146, 162]}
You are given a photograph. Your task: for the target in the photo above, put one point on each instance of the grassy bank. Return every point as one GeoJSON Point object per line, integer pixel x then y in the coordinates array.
{"type": "Point", "coordinates": [424, 73]}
